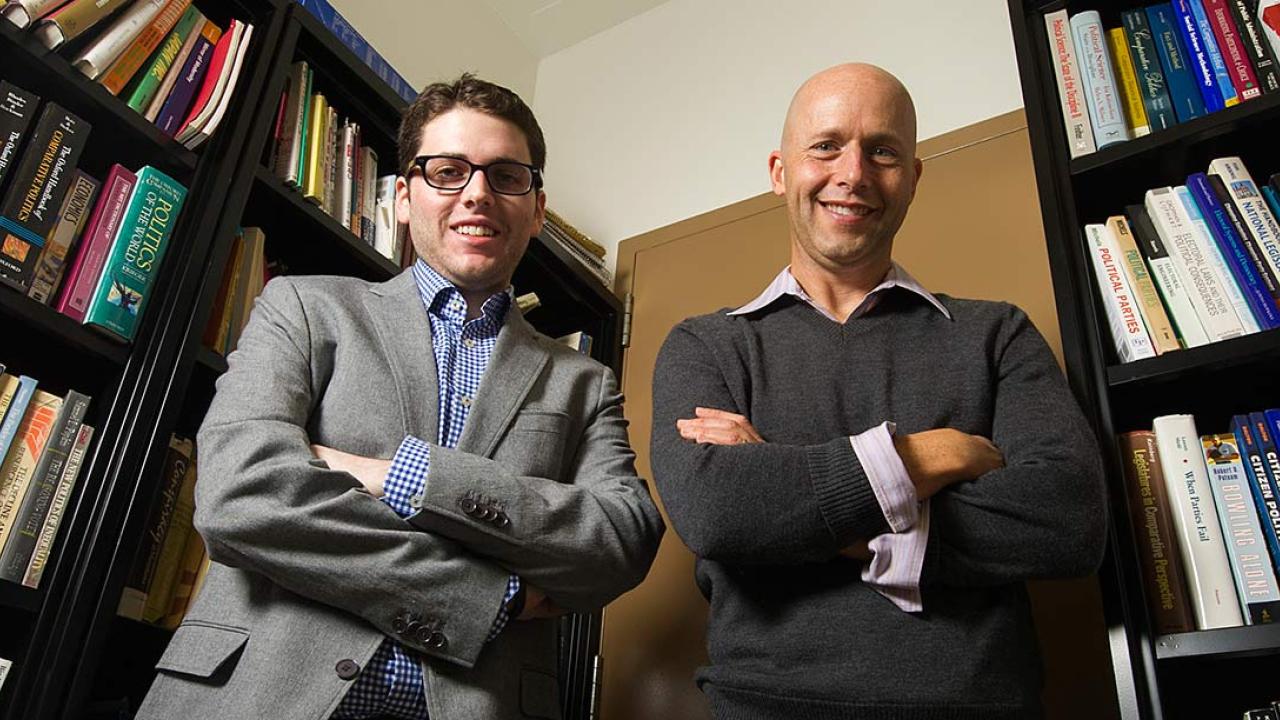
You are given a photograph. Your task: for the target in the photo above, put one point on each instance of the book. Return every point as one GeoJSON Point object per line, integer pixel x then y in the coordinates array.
{"type": "Point", "coordinates": [1075, 114]}
{"type": "Point", "coordinates": [313, 168]}
{"type": "Point", "coordinates": [1217, 61]}
{"type": "Point", "coordinates": [344, 160]}
{"type": "Point", "coordinates": [5, 667]}
{"type": "Point", "coordinates": [249, 284]}
{"type": "Point", "coordinates": [130, 60]}
{"type": "Point", "coordinates": [215, 331]}
{"type": "Point", "coordinates": [103, 50]}
{"type": "Point", "coordinates": [1101, 94]}
{"type": "Point", "coordinates": [193, 557]}
{"type": "Point", "coordinates": [189, 81]}
{"type": "Point", "coordinates": [8, 389]}
{"type": "Point", "coordinates": [298, 154]}
{"type": "Point", "coordinates": [1198, 56]}
{"type": "Point", "coordinates": [1146, 64]}
{"type": "Point", "coordinates": [347, 35]}
{"type": "Point", "coordinates": [213, 96]}
{"type": "Point", "coordinates": [328, 199]}
{"type": "Point", "coordinates": [142, 569]}
{"type": "Point", "coordinates": [161, 62]}
{"type": "Point", "coordinates": [160, 594]}
{"type": "Point", "coordinates": [136, 254]}
{"type": "Point", "coordinates": [104, 221]}
{"type": "Point", "coordinates": [151, 111]}
{"type": "Point", "coordinates": [17, 109]}
{"type": "Point", "coordinates": [1196, 527]}
{"type": "Point", "coordinates": [1135, 112]}
{"type": "Point", "coordinates": [1215, 263]}
{"type": "Point", "coordinates": [209, 87]}
{"type": "Point", "coordinates": [1208, 298]}
{"type": "Point", "coordinates": [577, 340]}
{"type": "Point", "coordinates": [20, 462]}
{"type": "Point", "coordinates": [40, 181]}
{"type": "Point", "coordinates": [586, 243]}
{"type": "Point", "coordinates": [1149, 513]}
{"type": "Point", "coordinates": [294, 101]}
{"type": "Point", "coordinates": [1184, 92]}
{"type": "Point", "coordinates": [1269, 17]}
{"type": "Point", "coordinates": [62, 496]}
{"type": "Point", "coordinates": [1261, 304]}
{"type": "Point", "coordinates": [1234, 55]}
{"type": "Point", "coordinates": [1252, 208]}
{"type": "Point", "coordinates": [1250, 560]}
{"type": "Point", "coordinates": [384, 217]}
{"type": "Point", "coordinates": [368, 193]}
{"type": "Point", "coordinates": [1261, 483]}
{"type": "Point", "coordinates": [1163, 337]}
{"type": "Point", "coordinates": [71, 20]}
{"type": "Point", "coordinates": [71, 219]}
{"type": "Point", "coordinates": [1177, 299]}
{"type": "Point", "coordinates": [24, 12]}
{"type": "Point", "coordinates": [30, 514]}
{"type": "Point", "coordinates": [15, 409]}
{"type": "Point", "coordinates": [202, 131]}
{"type": "Point", "coordinates": [1254, 252]}
{"type": "Point", "coordinates": [1127, 331]}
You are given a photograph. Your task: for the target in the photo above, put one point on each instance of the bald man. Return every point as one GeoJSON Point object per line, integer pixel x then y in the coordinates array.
{"type": "Point", "coordinates": [869, 472]}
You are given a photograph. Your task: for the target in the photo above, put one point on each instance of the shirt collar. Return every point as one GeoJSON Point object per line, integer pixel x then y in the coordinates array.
{"type": "Point", "coordinates": [438, 293]}
{"type": "Point", "coordinates": [786, 284]}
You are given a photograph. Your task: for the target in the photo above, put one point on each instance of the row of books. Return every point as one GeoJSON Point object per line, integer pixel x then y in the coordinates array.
{"type": "Point", "coordinates": [245, 275]}
{"type": "Point", "coordinates": [171, 562]}
{"type": "Point", "coordinates": [1204, 509]}
{"type": "Point", "coordinates": [43, 442]}
{"type": "Point", "coordinates": [163, 57]}
{"type": "Point", "coordinates": [349, 36]}
{"type": "Point", "coordinates": [581, 248]}
{"type": "Point", "coordinates": [321, 154]}
{"type": "Point", "coordinates": [1167, 64]}
{"type": "Point", "coordinates": [1193, 264]}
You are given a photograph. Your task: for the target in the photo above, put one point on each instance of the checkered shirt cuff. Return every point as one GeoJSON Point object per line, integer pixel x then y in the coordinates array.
{"type": "Point", "coordinates": [500, 622]}
{"type": "Point", "coordinates": [407, 478]}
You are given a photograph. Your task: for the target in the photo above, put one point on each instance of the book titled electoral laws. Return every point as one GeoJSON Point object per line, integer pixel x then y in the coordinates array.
{"type": "Point", "coordinates": [136, 254]}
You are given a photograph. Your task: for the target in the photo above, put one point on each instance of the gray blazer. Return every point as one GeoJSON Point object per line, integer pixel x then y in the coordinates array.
{"type": "Point", "coordinates": [310, 573]}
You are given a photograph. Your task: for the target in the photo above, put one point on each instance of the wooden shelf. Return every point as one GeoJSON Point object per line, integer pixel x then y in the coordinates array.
{"type": "Point", "coordinates": [51, 325]}
{"type": "Point", "coordinates": [1227, 642]}
{"type": "Point", "coordinates": [1221, 355]}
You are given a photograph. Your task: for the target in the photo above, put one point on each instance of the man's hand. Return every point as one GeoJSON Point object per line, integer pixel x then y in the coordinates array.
{"type": "Point", "coordinates": [371, 472]}
{"type": "Point", "coordinates": [718, 427]}
{"type": "Point", "coordinates": [936, 458]}
{"type": "Point", "coordinates": [537, 605]}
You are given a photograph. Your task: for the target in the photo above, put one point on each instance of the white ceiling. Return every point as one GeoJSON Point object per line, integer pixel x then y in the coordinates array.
{"type": "Point", "coordinates": [546, 27]}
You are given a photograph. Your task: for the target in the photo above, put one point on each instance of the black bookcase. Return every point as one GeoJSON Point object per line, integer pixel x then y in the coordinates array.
{"type": "Point", "coordinates": [1207, 674]}
{"type": "Point", "coordinates": [73, 657]}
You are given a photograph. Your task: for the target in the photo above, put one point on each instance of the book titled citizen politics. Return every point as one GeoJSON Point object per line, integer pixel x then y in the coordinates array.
{"type": "Point", "coordinates": [136, 254]}
{"type": "Point", "coordinates": [40, 181]}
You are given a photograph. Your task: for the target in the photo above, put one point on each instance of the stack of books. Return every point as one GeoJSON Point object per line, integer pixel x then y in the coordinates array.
{"type": "Point", "coordinates": [163, 57]}
{"type": "Point", "coordinates": [1167, 64]}
{"type": "Point", "coordinates": [347, 35]}
{"type": "Point", "coordinates": [243, 278]}
{"type": "Point", "coordinates": [586, 251]}
{"type": "Point", "coordinates": [43, 441]}
{"type": "Point", "coordinates": [91, 249]}
{"type": "Point", "coordinates": [1193, 264]}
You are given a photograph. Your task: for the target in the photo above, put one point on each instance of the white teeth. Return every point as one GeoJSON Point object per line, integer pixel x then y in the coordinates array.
{"type": "Point", "coordinates": [475, 230]}
{"type": "Point", "coordinates": [846, 210]}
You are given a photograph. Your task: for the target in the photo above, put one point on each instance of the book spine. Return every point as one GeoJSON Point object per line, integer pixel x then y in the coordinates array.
{"type": "Point", "coordinates": [369, 193]}
{"type": "Point", "coordinates": [1250, 562]}
{"type": "Point", "coordinates": [342, 174]}
{"type": "Point", "coordinates": [139, 248]}
{"type": "Point", "coordinates": [106, 47]}
{"type": "Point", "coordinates": [160, 593]}
{"type": "Point", "coordinates": [66, 484]}
{"type": "Point", "coordinates": [29, 517]}
{"type": "Point", "coordinates": [347, 35]}
{"type": "Point", "coordinates": [1234, 55]}
{"type": "Point", "coordinates": [1146, 64]}
{"type": "Point", "coordinates": [1184, 92]}
{"type": "Point", "coordinates": [1257, 258]}
{"type": "Point", "coordinates": [17, 109]}
{"type": "Point", "coordinates": [313, 175]}
{"type": "Point", "coordinates": [24, 12]}
{"type": "Point", "coordinates": [1163, 337]}
{"type": "Point", "coordinates": [356, 180]}
{"type": "Point", "coordinates": [1199, 534]}
{"type": "Point", "coordinates": [1254, 40]}
{"type": "Point", "coordinates": [287, 136]}
{"type": "Point", "coordinates": [1200, 62]}
{"type": "Point", "coordinates": [152, 110]}
{"type": "Point", "coordinates": [384, 226]}
{"type": "Point", "coordinates": [1260, 483]}
{"type": "Point", "coordinates": [294, 169]}
{"type": "Point", "coordinates": [1269, 19]}
{"type": "Point", "coordinates": [1135, 112]}
{"type": "Point", "coordinates": [212, 85]}
{"type": "Point", "coordinates": [71, 218]}
{"type": "Point", "coordinates": [193, 554]}
{"type": "Point", "coordinates": [40, 182]}
{"type": "Point", "coordinates": [83, 276]}
{"type": "Point", "coordinates": [1101, 93]}
{"type": "Point", "coordinates": [1260, 301]}
{"type": "Point", "coordinates": [1127, 332]}
{"type": "Point", "coordinates": [1207, 296]}
{"type": "Point", "coordinates": [329, 201]}
{"type": "Point", "coordinates": [1217, 61]}
{"type": "Point", "coordinates": [16, 411]}
{"type": "Point", "coordinates": [131, 59]}
{"type": "Point", "coordinates": [1177, 299]}
{"type": "Point", "coordinates": [163, 59]}
{"type": "Point", "coordinates": [1149, 509]}
{"type": "Point", "coordinates": [1252, 208]}
{"type": "Point", "coordinates": [230, 77]}
{"type": "Point", "coordinates": [20, 464]}
{"type": "Point", "coordinates": [175, 108]}
{"type": "Point", "coordinates": [71, 20]}
{"type": "Point", "coordinates": [1215, 263]}
{"type": "Point", "coordinates": [143, 568]}
{"type": "Point", "coordinates": [1075, 113]}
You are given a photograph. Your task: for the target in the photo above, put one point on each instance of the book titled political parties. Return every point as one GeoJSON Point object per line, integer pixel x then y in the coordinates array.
{"type": "Point", "coordinates": [1183, 92]}
{"type": "Point", "coordinates": [17, 109]}
{"type": "Point", "coordinates": [1246, 547]}
{"type": "Point", "coordinates": [40, 181]}
{"type": "Point", "coordinates": [139, 247]}
{"type": "Point", "coordinates": [347, 35]}
{"type": "Point", "coordinates": [1123, 318]}
{"type": "Point", "coordinates": [1146, 63]}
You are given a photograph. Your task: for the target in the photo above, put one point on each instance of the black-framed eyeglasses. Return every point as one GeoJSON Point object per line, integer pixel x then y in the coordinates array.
{"type": "Point", "coordinates": [505, 177]}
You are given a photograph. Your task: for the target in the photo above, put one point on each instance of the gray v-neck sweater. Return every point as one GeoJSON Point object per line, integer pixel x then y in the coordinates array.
{"type": "Point", "coordinates": [793, 630]}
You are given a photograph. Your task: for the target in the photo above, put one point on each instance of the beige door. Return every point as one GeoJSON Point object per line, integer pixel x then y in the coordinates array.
{"type": "Point", "coordinates": [973, 231]}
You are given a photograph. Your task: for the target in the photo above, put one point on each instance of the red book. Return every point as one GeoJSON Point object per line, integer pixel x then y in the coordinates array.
{"type": "Point", "coordinates": [1233, 51]}
{"type": "Point", "coordinates": [210, 76]}
{"type": "Point", "coordinates": [82, 279]}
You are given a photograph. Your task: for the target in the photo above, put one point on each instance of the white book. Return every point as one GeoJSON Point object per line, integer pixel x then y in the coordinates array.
{"type": "Point", "coordinates": [1123, 317]}
{"type": "Point", "coordinates": [290, 149]}
{"type": "Point", "coordinates": [1272, 32]}
{"type": "Point", "coordinates": [1176, 297]}
{"type": "Point", "coordinates": [1195, 522]}
{"type": "Point", "coordinates": [1209, 248]}
{"type": "Point", "coordinates": [5, 667]}
{"type": "Point", "coordinates": [384, 226]}
{"type": "Point", "coordinates": [24, 12]}
{"type": "Point", "coordinates": [1263, 229]}
{"type": "Point", "coordinates": [1075, 111]}
{"type": "Point", "coordinates": [1207, 294]}
{"type": "Point", "coordinates": [1099, 79]}
{"type": "Point", "coordinates": [368, 192]}
{"type": "Point", "coordinates": [107, 47]}
{"type": "Point", "coordinates": [345, 173]}
{"type": "Point", "coordinates": [204, 125]}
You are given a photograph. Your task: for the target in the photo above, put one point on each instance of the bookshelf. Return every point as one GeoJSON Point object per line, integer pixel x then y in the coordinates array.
{"type": "Point", "coordinates": [1218, 673]}
{"type": "Point", "coordinates": [73, 656]}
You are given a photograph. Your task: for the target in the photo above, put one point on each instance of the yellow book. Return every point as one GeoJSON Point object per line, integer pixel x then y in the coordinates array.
{"type": "Point", "coordinates": [193, 556]}
{"type": "Point", "coordinates": [8, 388]}
{"type": "Point", "coordinates": [1163, 337]}
{"type": "Point", "coordinates": [576, 235]}
{"type": "Point", "coordinates": [1135, 113]}
{"type": "Point", "coordinates": [313, 180]}
{"type": "Point", "coordinates": [175, 540]}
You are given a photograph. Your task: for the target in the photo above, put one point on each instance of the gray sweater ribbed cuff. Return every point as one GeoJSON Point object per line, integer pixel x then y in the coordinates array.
{"type": "Point", "coordinates": [845, 497]}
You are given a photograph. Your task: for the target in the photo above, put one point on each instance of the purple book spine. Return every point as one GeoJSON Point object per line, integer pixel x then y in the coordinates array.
{"type": "Point", "coordinates": [175, 108]}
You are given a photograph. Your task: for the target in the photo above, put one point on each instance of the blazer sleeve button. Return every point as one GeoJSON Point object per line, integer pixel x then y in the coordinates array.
{"type": "Point", "coordinates": [437, 641]}
{"type": "Point", "coordinates": [468, 505]}
{"type": "Point", "coordinates": [347, 669]}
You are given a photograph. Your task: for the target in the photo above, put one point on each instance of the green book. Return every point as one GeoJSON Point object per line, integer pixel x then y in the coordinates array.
{"type": "Point", "coordinates": [136, 252]}
{"type": "Point", "coordinates": [162, 60]}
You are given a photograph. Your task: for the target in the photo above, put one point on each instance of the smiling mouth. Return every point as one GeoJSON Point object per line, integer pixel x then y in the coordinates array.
{"type": "Point", "coordinates": [847, 210]}
{"type": "Point", "coordinates": [475, 230]}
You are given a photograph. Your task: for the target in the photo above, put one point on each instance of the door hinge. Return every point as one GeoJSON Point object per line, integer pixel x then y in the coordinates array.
{"type": "Point", "coordinates": [628, 303]}
{"type": "Point", "coordinates": [597, 678]}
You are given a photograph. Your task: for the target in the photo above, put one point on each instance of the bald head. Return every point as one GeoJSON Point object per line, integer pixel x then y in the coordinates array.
{"type": "Point", "coordinates": [852, 86]}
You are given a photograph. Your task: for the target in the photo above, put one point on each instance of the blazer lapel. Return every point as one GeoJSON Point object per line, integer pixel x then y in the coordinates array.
{"type": "Point", "coordinates": [405, 335]}
{"type": "Point", "coordinates": [517, 359]}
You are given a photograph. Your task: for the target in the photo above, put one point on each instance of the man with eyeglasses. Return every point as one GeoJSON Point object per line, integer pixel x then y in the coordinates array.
{"type": "Point", "coordinates": [402, 484]}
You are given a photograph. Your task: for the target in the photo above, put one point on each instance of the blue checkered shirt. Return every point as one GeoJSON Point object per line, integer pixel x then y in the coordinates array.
{"type": "Point", "coordinates": [391, 684]}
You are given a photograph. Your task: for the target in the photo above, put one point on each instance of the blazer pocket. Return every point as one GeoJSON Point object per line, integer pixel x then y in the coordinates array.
{"type": "Point", "coordinates": [201, 650]}
{"type": "Point", "coordinates": [539, 695]}
{"type": "Point", "coordinates": [534, 445]}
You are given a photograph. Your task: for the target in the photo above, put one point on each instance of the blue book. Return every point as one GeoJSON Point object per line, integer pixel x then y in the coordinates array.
{"type": "Point", "coordinates": [1201, 65]}
{"type": "Point", "coordinates": [1099, 79]}
{"type": "Point", "coordinates": [347, 35]}
{"type": "Point", "coordinates": [13, 415]}
{"type": "Point", "coordinates": [1146, 62]}
{"type": "Point", "coordinates": [1263, 469]}
{"type": "Point", "coordinates": [175, 108]}
{"type": "Point", "coordinates": [1221, 75]}
{"type": "Point", "coordinates": [1237, 260]}
{"type": "Point", "coordinates": [1273, 199]}
{"type": "Point", "coordinates": [1183, 90]}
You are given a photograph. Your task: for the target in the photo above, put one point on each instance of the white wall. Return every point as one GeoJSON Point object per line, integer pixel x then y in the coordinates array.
{"type": "Point", "coordinates": [674, 112]}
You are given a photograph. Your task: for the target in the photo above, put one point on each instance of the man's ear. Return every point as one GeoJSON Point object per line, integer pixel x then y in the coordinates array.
{"type": "Point", "coordinates": [777, 177]}
{"type": "Point", "coordinates": [539, 211]}
{"type": "Point", "coordinates": [402, 200]}
{"type": "Point", "coordinates": [919, 167]}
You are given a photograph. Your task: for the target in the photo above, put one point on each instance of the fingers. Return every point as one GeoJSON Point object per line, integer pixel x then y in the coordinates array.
{"type": "Point", "coordinates": [710, 420]}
